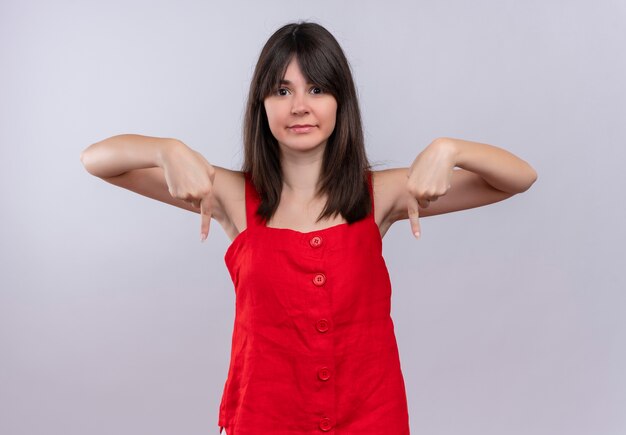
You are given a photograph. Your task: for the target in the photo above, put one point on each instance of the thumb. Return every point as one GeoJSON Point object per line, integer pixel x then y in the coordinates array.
{"type": "Point", "coordinates": [413, 209]}
{"type": "Point", "coordinates": [205, 213]}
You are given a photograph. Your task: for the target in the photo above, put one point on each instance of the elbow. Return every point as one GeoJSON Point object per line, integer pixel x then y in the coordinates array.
{"type": "Point", "coordinates": [529, 179]}
{"type": "Point", "coordinates": [84, 159]}
{"type": "Point", "coordinates": [522, 181]}
{"type": "Point", "coordinates": [88, 161]}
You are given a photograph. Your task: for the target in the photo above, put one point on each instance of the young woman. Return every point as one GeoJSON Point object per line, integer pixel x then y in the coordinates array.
{"type": "Point", "coordinates": [313, 345]}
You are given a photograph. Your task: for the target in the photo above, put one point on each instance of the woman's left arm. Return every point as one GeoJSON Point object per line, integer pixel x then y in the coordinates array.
{"type": "Point", "coordinates": [498, 167]}
{"type": "Point", "coordinates": [488, 174]}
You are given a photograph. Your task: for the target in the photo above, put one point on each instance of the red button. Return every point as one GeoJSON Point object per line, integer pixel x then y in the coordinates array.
{"type": "Point", "coordinates": [325, 424]}
{"type": "Point", "coordinates": [319, 279]}
{"type": "Point", "coordinates": [322, 325]}
{"type": "Point", "coordinates": [323, 373]}
{"type": "Point", "coordinates": [315, 242]}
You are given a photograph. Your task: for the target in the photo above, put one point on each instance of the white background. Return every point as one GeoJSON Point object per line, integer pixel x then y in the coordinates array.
{"type": "Point", "coordinates": [115, 319]}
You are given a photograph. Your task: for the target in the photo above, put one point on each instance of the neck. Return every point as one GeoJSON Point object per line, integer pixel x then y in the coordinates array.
{"type": "Point", "coordinates": [301, 173]}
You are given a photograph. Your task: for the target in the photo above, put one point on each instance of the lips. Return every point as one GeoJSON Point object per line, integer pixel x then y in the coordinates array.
{"type": "Point", "coordinates": [301, 128]}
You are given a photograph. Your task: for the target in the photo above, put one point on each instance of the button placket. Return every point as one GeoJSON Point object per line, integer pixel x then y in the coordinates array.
{"type": "Point", "coordinates": [322, 326]}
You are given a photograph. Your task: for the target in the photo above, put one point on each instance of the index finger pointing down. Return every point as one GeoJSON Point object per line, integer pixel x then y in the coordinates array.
{"type": "Point", "coordinates": [205, 213]}
{"type": "Point", "coordinates": [413, 211]}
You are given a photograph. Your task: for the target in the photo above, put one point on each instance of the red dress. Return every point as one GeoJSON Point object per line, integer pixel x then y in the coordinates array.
{"type": "Point", "coordinates": [313, 345]}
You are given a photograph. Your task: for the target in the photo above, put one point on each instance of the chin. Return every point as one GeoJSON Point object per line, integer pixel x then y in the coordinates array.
{"type": "Point", "coordinates": [303, 143]}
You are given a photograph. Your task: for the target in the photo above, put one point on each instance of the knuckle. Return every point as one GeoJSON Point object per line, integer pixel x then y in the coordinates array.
{"type": "Point", "coordinates": [206, 191]}
{"type": "Point", "coordinates": [414, 190]}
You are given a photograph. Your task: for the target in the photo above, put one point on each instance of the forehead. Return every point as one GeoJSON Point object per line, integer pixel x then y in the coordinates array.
{"type": "Point", "coordinates": [293, 73]}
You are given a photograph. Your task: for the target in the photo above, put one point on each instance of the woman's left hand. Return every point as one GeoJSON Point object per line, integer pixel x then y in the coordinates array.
{"type": "Point", "coordinates": [429, 177]}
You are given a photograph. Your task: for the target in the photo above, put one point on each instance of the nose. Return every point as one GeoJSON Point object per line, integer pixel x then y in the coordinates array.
{"type": "Point", "coordinates": [299, 105]}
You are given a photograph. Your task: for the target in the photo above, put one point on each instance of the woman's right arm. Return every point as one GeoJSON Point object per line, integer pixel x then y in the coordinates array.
{"type": "Point", "coordinates": [164, 169]}
{"type": "Point", "coordinates": [122, 153]}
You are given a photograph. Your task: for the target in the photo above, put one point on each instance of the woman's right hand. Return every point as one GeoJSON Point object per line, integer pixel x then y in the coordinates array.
{"type": "Point", "coordinates": [189, 177]}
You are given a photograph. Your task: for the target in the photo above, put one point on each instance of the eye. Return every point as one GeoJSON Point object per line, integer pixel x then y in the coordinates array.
{"type": "Point", "coordinates": [282, 91]}
{"type": "Point", "coordinates": [317, 90]}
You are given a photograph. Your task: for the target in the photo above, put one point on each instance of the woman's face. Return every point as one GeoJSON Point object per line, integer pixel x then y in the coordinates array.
{"type": "Point", "coordinates": [301, 115]}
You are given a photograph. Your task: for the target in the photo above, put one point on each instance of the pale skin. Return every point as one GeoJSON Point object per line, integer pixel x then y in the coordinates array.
{"type": "Point", "coordinates": [169, 171]}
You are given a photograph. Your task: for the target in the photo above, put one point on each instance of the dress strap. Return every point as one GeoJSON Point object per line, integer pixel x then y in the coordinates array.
{"type": "Point", "coordinates": [252, 203]}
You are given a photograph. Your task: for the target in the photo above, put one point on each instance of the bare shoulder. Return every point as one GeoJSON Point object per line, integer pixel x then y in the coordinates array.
{"type": "Point", "coordinates": [388, 186]}
{"type": "Point", "coordinates": [229, 190]}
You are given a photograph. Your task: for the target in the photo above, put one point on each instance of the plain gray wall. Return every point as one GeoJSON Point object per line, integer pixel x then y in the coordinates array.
{"type": "Point", "coordinates": [115, 319]}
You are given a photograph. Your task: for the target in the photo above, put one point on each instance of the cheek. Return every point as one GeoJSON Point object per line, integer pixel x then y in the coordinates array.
{"type": "Point", "coordinates": [273, 119]}
{"type": "Point", "coordinates": [332, 118]}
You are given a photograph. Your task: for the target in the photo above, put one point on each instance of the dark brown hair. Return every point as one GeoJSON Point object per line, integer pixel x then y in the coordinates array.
{"type": "Point", "coordinates": [343, 175]}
